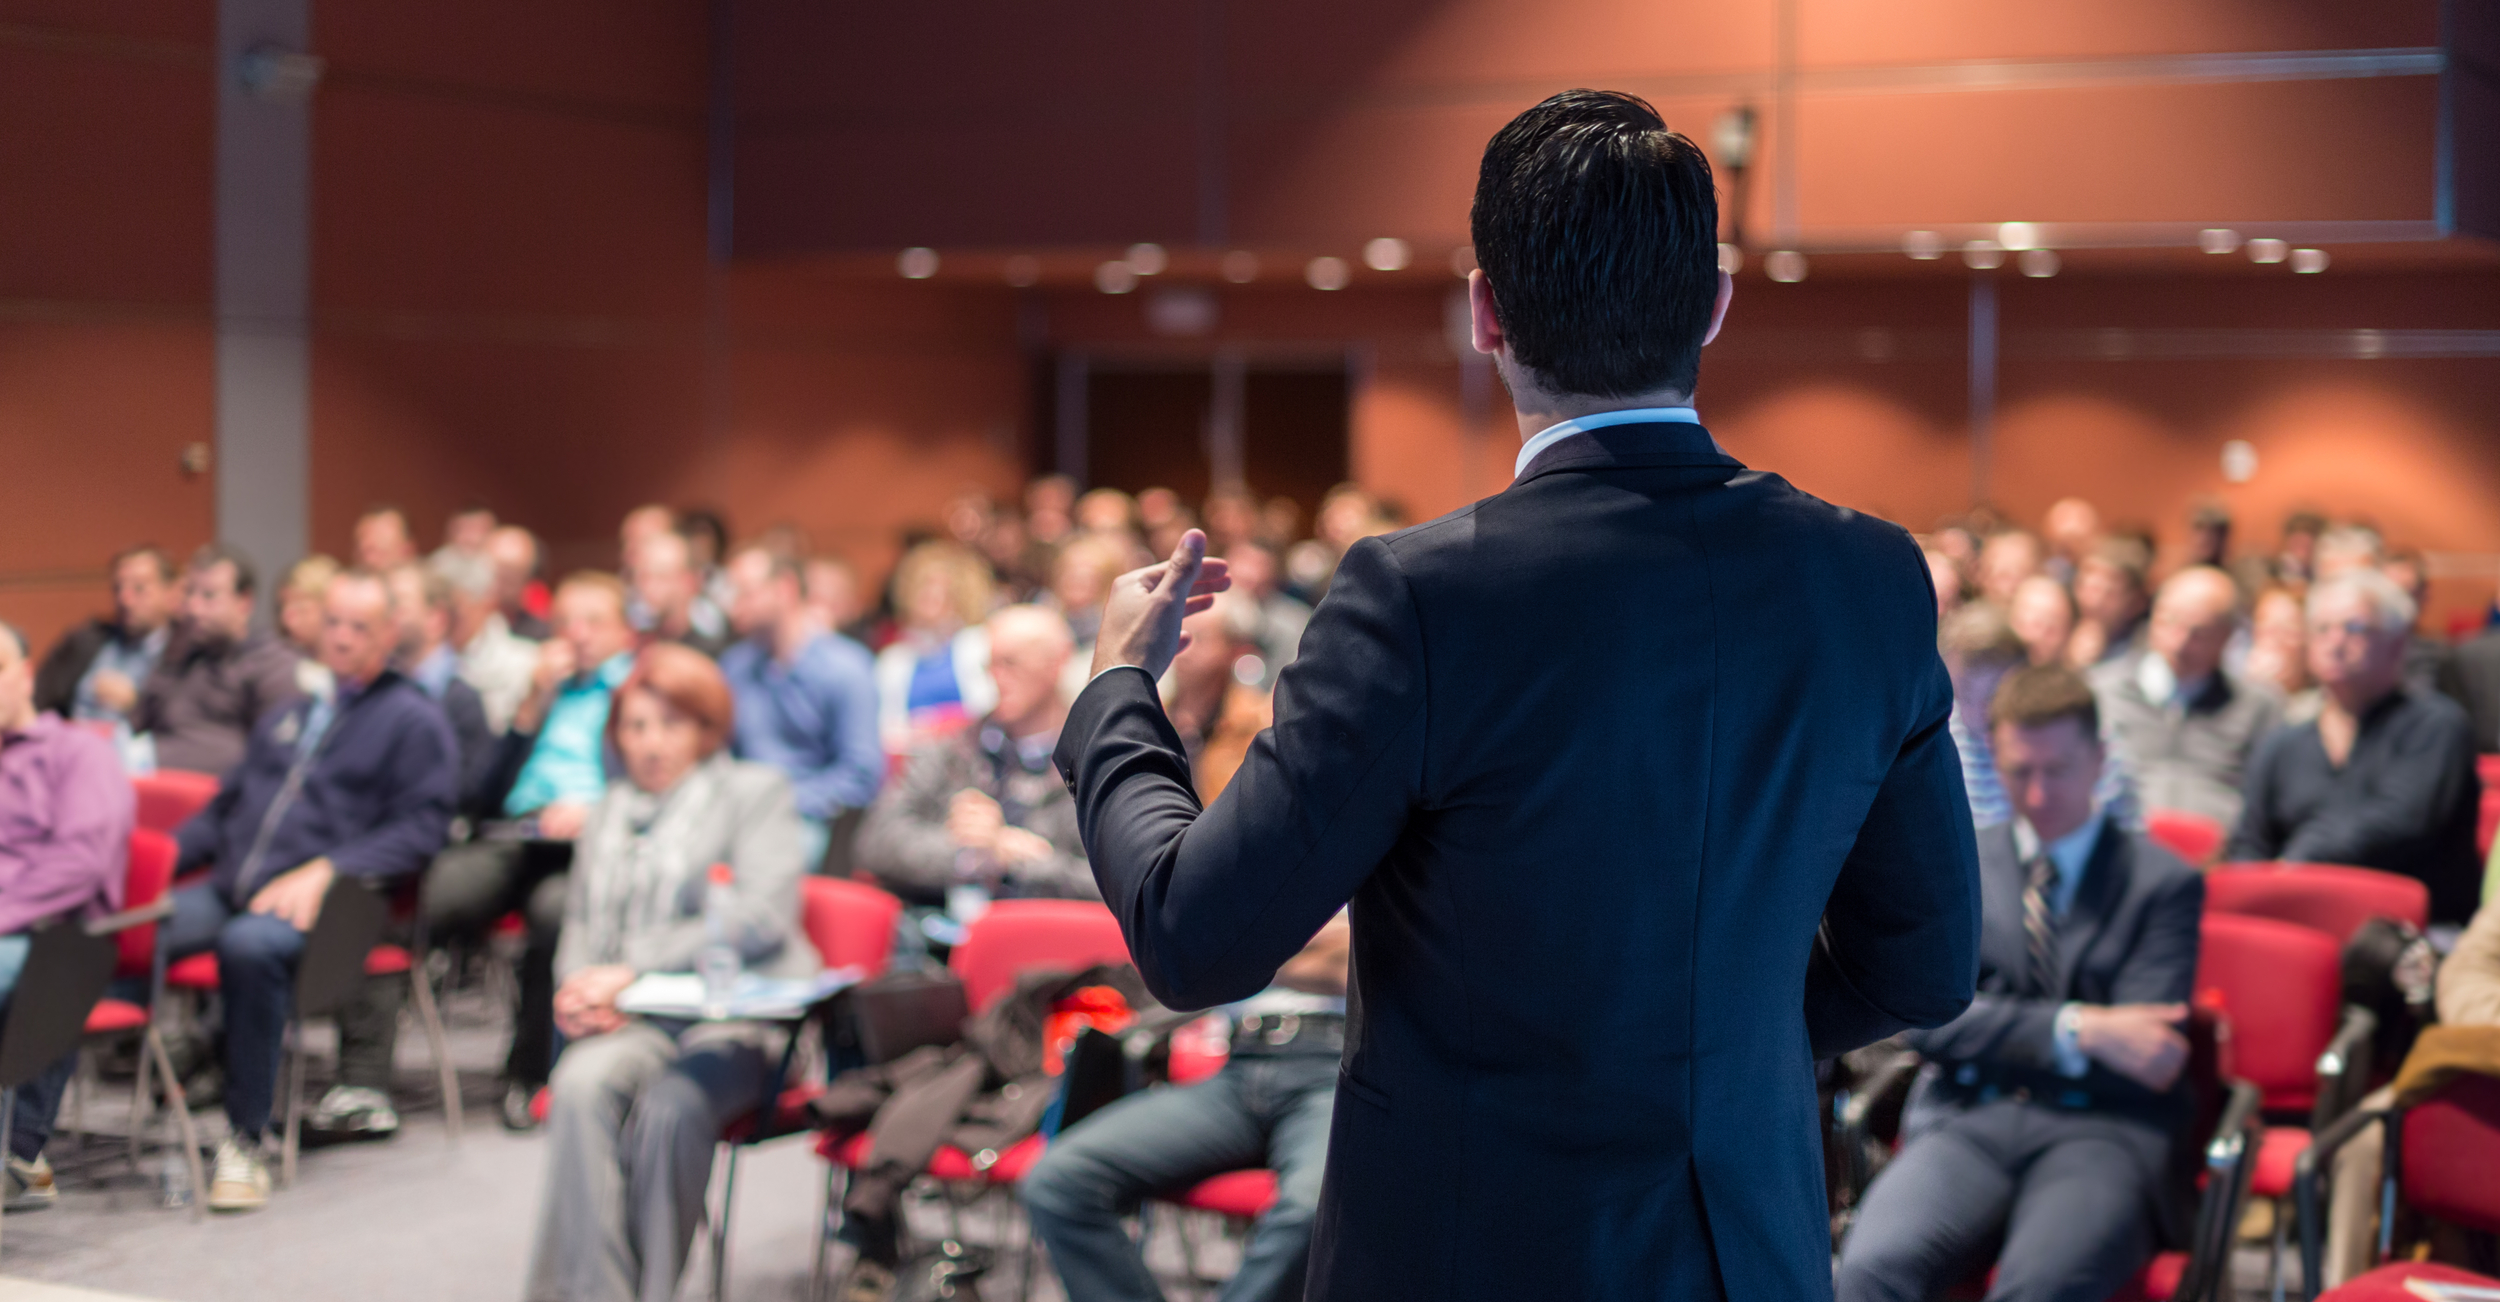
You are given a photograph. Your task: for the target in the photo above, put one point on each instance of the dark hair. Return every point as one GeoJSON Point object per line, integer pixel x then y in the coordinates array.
{"type": "Point", "coordinates": [211, 555]}
{"type": "Point", "coordinates": [1598, 229]}
{"type": "Point", "coordinates": [2038, 695]}
{"type": "Point", "coordinates": [164, 563]}
{"type": "Point", "coordinates": [707, 522]}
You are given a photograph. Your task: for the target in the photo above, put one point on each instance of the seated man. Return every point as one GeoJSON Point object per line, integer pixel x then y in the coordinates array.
{"type": "Point", "coordinates": [984, 809]}
{"type": "Point", "coordinates": [807, 698]}
{"type": "Point", "coordinates": [218, 679]}
{"type": "Point", "coordinates": [65, 818]}
{"type": "Point", "coordinates": [359, 785]}
{"type": "Point", "coordinates": [94, 671]}
{"type": "Point", "coordinates": [549, 770]}
{"type": "Point", "coordinates": [1270, 1106]}
{"type": "Point", "coordinates": [2183, 725]}
{"type": "Point", "coordinates": [669, 589]}
{"type": "Point", "coordinates": [2043, 1115]}
{"type": "Point", "coordinates": [2384, 776]}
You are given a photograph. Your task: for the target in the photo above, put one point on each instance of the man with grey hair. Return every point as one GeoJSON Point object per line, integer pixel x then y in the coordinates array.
{"type": "Point", "coordinates": [493, 659]}
{"type": "Point", "coordinates": [2384, 776]}
{"type": "Point", "coordinates": [2184, 725]}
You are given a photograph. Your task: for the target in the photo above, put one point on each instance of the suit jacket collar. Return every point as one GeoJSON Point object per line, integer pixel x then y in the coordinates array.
{"type": "Point", "coordinates": [2104, 884]}
{"type": "Point", "coordinates": [1611, 447]}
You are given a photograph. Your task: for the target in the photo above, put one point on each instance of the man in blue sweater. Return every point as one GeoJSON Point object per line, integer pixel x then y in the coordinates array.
{"type": "Point", "coordinates": [359, 784]}
{"type": "Point", "coordinates": [807, 701]}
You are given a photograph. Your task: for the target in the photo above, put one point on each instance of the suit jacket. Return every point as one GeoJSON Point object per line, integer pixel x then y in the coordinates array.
{"type": "Point", "coordinates": [1637, 777]}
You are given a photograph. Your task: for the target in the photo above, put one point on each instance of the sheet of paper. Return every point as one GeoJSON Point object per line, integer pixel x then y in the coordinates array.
{"type": "Point", "coordinates": [680, 995]}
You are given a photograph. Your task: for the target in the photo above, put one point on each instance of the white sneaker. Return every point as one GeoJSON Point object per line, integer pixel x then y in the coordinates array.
{"type": "Point", "coordinates": [241, 1181]}
{"type": "Point", "coordinates": [30, 1186]}
{"type": "Point", "coordinates": [356, 1110]}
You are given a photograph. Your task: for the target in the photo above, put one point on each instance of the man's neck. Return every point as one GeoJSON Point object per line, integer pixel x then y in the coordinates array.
{"type": "Point", "coordinates": [792, 635]}
{"type": "Point", "coordinates": [2353, 702]}
{"type": "Point", "coordinates": [1539, 410]}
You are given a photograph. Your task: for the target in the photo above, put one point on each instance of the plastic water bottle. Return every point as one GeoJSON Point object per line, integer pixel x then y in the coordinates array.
{"type": "Point", "coordinates": [718, 963]}
{"type": "Point", "coordinates": [174, 1179]}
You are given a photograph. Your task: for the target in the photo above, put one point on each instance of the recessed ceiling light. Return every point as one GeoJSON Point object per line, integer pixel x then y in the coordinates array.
{"type": "Point", "coordinates": [1388, 253]}
{"type": "Point", "coordinates": [1787, 266]}
{"type": "Point", "coordinates": [2268, 251]}
{"type": "Point", "coordinates": [1327, 273]}
{"type": "Point", "coordinates": [1147, 259]}
{"type": "Point", "coordinates": [1115, 277]}
{"type": "Point", "coordinates": [917, 263]}
{"type": "Point", "coordinates": [1731, 259]}
{"type": "Point", "coordinates": [1926, 246]}
{"type": "Point", "coordinates": [1982, 255]}
{"type": "Point", "coordinates": [2218, 239]}
{"type": "Point", "coordinates": [2018, 236]}
{"type": "Point", "coordinates": [2039, 264]}
{"type": "Point", "coordinates": [2309, 262]}
{"type": "Point", "coordinates": [1462, 260]}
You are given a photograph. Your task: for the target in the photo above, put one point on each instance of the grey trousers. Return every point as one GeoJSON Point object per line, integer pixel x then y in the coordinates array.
{"type": "Point", "coordinates": [631, 1123]}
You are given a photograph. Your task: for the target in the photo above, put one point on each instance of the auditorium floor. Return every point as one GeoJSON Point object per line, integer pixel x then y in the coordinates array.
{"type": "Point", "coordinates": [415, 1219]}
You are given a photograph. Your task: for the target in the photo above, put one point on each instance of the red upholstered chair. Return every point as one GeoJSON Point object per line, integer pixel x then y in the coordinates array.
{"type": "Point", "coordinates": [2192, 837]}
{"type": "Point", "coordinates": [2280, 987]}
{"type": "Point", "coordinates": [2443, 1162]}
{"type": "Point", "coordinates": [169, 797]}
{"type": "Point", "coordinates": [145, 902]}
{"type": "Point", "coordinates": [2331, 898]}
{"type": "Point", "coordinates": [850, 923]}
{"type": "Point", "coordinates": [2388, 1283]}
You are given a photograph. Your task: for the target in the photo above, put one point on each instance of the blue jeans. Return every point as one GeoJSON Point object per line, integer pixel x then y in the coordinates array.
{"type": "Point", "coordinates": [38, 1100]}
{"type": "Point", "coordinates": [256, 957]}
{"type": "Point", "coordinates": [1258, 1111]}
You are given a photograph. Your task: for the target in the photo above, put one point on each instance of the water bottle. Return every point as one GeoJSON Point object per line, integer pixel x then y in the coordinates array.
{"type": "Point", "coordinates": [968, 896]}
{"type": "Point", "coordinates": [718, 963]}
{"type": "Point", "coordinates": [174, 1177]}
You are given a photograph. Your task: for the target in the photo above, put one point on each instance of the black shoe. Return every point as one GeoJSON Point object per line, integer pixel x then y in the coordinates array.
{"type": "Point", "coordinates": [517, 1114]}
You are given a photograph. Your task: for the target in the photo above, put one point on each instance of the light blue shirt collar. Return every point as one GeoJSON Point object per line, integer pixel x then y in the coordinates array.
{"type": "Point", "coordinates": [2072, 853]}
{"type": "Point", "coordinates": [1553, 434]}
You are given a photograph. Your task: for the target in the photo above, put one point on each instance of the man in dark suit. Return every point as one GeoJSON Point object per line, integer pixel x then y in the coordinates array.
{"type": "Point", "coordinates": [1615, 880]}
{"type": "Point", "coordinates": [2043, 1114]}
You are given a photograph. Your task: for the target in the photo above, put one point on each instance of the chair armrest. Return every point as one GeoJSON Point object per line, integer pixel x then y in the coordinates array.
{"type": "Point", "coordinates": [2230, 1162]}
{"type": "Point", "coordinates": [1887, 1087]}
{"type": "Point", "coordinates": [2344, 1067]}
{"type": "Point", "coordinates": [2309, 1184]}
{"type": "Point", "coordinates": [126, 919]}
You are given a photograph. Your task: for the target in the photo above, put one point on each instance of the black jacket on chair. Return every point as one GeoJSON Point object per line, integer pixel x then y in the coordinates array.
{"type": "Point", "coordinates": [1637, 777]}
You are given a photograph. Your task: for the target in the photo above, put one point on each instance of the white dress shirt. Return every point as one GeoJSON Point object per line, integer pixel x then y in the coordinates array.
{"type": "Point", "coordinates": [1553, 434]}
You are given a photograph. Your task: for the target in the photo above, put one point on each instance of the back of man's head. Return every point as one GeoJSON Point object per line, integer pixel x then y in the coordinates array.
{"type": "Point", "coordinates": [1598, 230]}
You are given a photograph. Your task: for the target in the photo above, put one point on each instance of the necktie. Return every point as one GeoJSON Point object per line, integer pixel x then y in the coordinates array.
{"type": "Point", "coordinates": [2039, 926]}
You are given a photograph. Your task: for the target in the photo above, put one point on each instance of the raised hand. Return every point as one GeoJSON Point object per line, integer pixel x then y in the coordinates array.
{"type": "Point", "coordinates": [1141, 622]}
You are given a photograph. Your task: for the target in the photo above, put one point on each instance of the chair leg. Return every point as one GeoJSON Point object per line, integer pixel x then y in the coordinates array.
{"type": "Point", "coordinates": [179, 1104]}
{"type": "Point", "coordinates": [824, 1238]}
{"type": "Point", "coordinates": [2274, 1251]}
{"type": "Point", "coordinates": [720, 1227]}
{"type": "Point", "coordinates": [294, 1111]}
{"type": "Point", "coordinates": [430, 1017]}
{"type": "Point", "coordinates": [140, 1104]}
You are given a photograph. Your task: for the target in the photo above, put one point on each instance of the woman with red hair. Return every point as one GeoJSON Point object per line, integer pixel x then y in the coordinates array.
{"type": "Point", "coordinates": [637, 1103]}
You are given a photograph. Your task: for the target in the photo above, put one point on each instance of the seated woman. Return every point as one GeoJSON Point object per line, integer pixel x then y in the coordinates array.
{"type": "Point", "coordinates": [637, 1103]}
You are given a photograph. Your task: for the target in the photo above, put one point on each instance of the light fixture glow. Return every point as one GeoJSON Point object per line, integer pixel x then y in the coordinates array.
{"type": "Point", "coordinates": [2218, 239]}
{"type": "Point", "coordinates": [1022, 270]}
{"type": "Point", "coordinates": [2018, 236]}
{"type": "Point", "coordinates": [1240, 266]}
{"type": "Point", "coordinates": [1327, 273]}
{"type": "Point", "coordinates": [1388, 253]}
{"type": "Point", "coordinates": [1925, 246]}
{"type": "Point", "coordinates": [917, 263]}
{"type": "Point", "coordinates": [1787, 266]}
{"type": "Point", "coordinates": [2268, 252]}
{"type": "Point", "coordinates": [1983, 255]}
{"type": "Point", "coordinates": [1731, 259]}
{"type": "Point", "coordinates": [2039, 264]}
{"type": "Point", "coordinates": [2239, 461]}
{"type": "Point", "coordinates": [1462, 260]}
{"type": "Point", "coordinates": [2309, 262]}
{"type": "Point", "coordinates": [1115, 277]}
{"type": "Point", "coordinates": [1147, 259]}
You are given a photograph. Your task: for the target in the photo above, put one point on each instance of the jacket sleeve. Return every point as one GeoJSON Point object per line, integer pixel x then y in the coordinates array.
{"type": "Point", "coordinates": [1212, 902]}
{"type": "Point", "coordinates": [858, 766]}
{"type": "Point", "coordinates": [904, 841]}
{"type": "Point", "coordinates": [1899, 944]}
{"type": "Point", "coordinates": [56, 680]}
{"type": "Point", "coordinates": [764, 863]}
{"type": "Point", "coordinates": [416, 811]}
{"type": "Point", "coordinates": [272, 682]}
{"type": "Point", "coordinates": [80, 859]}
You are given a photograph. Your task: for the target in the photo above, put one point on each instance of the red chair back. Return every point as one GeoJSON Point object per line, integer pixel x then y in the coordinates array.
{"type": "Point", "coordinates": [144, 882]}
{"type": "Point", "coordinates": [2192, 837]}
{"type": "Point", "coordinates": [2281, 987]}
{"type": "Point", "coordinates": [1018, 935]}
{"type": "Point", "coordinates": [2451, 1152]}
{"type": "Point", "coordinates": [850, 923]}
{"type": "Point", "coordinates": [169, 797]}
{"type": "Point", "coordinates": [2331, 898]}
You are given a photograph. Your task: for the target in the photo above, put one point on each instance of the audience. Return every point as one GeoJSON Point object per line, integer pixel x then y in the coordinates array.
{"type": "Point", "coordinates": [806, 699]}
{"type": "Point", "coordinates": [934, 677]}
{"type": "Point", "coordinates": [384, 542]}
{"type": "Point", "coordinates": [2382, 777]}
{"type": "Point", "coordinates": [2005, 560]}
{"type": "Point", "coordinates": [2045, 1111]}
{"type": "Point", "coordinates": [668, 590]}
{"type": "Point", "coordinates": [300, 614]}
{"type": "Point", "coordinates": [637, 1104]}
{"type": "Point", "coordinates": [94, 671]}
{"type": "Point", "coordinates": [423, 598]}
{"type": "Point", "coordinates": [2278, 652]}
{"type": "Point", "coordinates": [493, 659]}
{"type": "Point", "coordinates": [2111, 602]}
{"type": "Point", "coordinates": [2471, 677]}
{"type": "Point", "coordinates": [2182, 724]}
{"type": "Point", "coordinates": [65, 818]}
{"type": "Point", "coordinates": [468, 535]}
{"type": "Point", "coordinates": [357, 785]}
{"type": "Point", "coordinates": [2043, 612]}
{"type": "Point", "coordinates": [1281, 618]}
{"type": "Point", "coordinates": [218, 677]}
{"type": "Point", "coordinates": [514, 552]}
{"type": "Point", "coordinates": [984, 808]}
{"type": "Point", "coordinates": [1212, 694]}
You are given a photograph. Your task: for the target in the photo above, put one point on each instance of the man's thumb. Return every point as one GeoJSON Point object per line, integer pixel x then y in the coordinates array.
{"type": "Point", "coordinates": [1186, 554]}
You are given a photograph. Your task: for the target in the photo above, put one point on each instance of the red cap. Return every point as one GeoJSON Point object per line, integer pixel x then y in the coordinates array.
{"type": "Point", "coordinates": [720, 874]}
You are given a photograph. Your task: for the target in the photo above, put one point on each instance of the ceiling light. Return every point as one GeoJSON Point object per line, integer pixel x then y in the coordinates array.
{"type": "Point", "coordinates": [1115, 277]}
{"type": "Point", "coordinates": [1926, 246]}
{"type": "Point", "coordinates": [1982, 255]}
{"type": "Point", "coordinates": [2309, 262]}
{"type": "Point", "coordinates": [1787, 266]}
{"type": "Point", "coordinates": [1240, 266]}
{"type": "Point", "coordinates": [1023, 270]}
{"type": "Point", "coordinates": [1180, 312]}
{"type": "Point", "coordinates": [1388, 253]}
{"type": "Point", "coordinates": [2039, 264]}
{"type": "Point", "coordinates": [1147, 259]}
{"type": "Point", "coordinates": [917, 263]}
{"type": "Point", "coordinates": [2018, 236]}
{"type": "Point", "coordinates": [2268, 251]}
{"type": "Point", "coordinates": [1462, 260]}
{"type": "Point", "coordinates": [1731, 259]}
{"type": "Point", "coordinates": [1732, 133]}
{"type": "Point", "coordinates": [2239, 461]}
{"type": "Point", "coordinates": [2218, 239]}
{"type": "Point", "coordinates": [1327, 273]}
